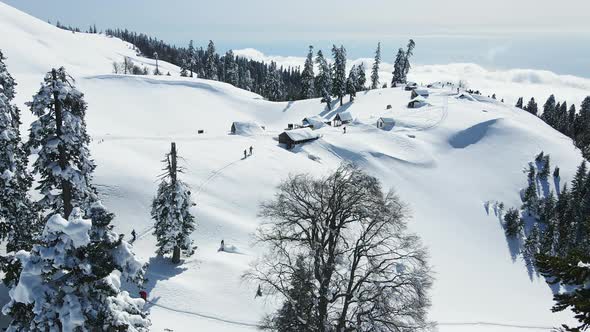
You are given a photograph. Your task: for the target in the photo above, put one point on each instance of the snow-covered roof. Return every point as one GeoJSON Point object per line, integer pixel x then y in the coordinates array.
{"type": "Point", "coordinates": [247, 128]}
{"type": "Point", "coordinates": [421, 92]}
{"type": "Point", "coordinates": [387, 120]}
{"type": "Point", "coordinates": [419, 99]}
{"type": "Point", "coordinates": [301, 134]}
{"type": "Point", "coordinates": [344, 116]}
{"type": "Point", "coordinates": [314, 121]}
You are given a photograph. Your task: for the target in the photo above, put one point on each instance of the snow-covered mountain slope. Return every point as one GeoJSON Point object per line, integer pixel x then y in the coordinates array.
{"type": "Point", "coordinates": [445, 160]}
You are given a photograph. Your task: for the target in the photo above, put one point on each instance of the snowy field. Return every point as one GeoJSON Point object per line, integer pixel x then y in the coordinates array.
{"type": "Point", "coordinates": [445, 160]}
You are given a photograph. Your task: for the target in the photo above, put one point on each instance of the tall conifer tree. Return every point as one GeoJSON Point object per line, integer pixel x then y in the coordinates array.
{"type": "Point", "coordinates": [375, 69]}
{"type": "Point", "coordinates": [308, 77]}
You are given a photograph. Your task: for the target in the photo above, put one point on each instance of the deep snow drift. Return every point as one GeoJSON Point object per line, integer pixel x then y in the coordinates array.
{"type": "Point", "coordinates": [446, 161]}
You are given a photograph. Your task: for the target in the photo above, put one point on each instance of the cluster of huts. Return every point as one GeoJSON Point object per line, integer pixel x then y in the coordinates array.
{"type": "Point", "coordinates": [418, 97]}
{"type": "Point", "coordinates": [304, 132]}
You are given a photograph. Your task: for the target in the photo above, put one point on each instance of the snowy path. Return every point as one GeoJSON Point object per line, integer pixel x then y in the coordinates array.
{"type": "Point", "coordinates": [219, 319]}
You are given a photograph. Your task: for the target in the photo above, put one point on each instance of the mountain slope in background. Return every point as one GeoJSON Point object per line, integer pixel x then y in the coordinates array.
{"type": "Point", "coordinates": [445, 160]}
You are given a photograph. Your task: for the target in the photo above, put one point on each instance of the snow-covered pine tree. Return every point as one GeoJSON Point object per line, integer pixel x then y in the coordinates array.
{"type": "Point", "coordinates": [157, 70]}
{"type": "Point", "coordinates": [408, 54]}
{"type": "Point", "coordinates": [549, 111]}
{"type": "Point", "coordinates": [298, 311]}
{"type": "Point", "coordinates": [192, 58]}
{"type": "Point", "coordinates": [519, 103]}
{"type": "Point", "coordinates": [547, 218]}
{"type": "Point", "coordinates": [231, 68]}
{"type": "Point", "coordinates": [323, 82]}
{"type": "Point", "coordinates": [70, 280]}
{"type": "Point", "coordinates": [579, 181]}
{"type": "Point", "coordinates": [398, 68]}
{"type": "Point", "coordinates": [532, 107]}
{"type": "Point", "coordinates": [246, 81]}
{"type": "Point", "coordinates": [512, 223]}
{"type": "Point", "coordinates": [174, 222]}
{"type": "Point", "coordinates": [273, 84]}
{"type": "Point", "coordinates": [308, 77]}
{"type": "Point", "coordinates": [19, 222]}
{"type": "Point", "coordinates": [361, 77]}
{"type": "Point", "coordinates": [210, 62]}
{"type": "Point", "coordinates": [546, 168]}
{"type": "Point", "coordinates": [339, 77]}
{"type": "Point", "coordinates": [531, 245]}
{"type": "Point", "coordinates": [567, 271]}
{"type": "Point", "coordinates": [530, 197]}
{"type": "Point", "coordinates": [64, 165]}
{"type": "Point", "coordinates": [562, 119]}
{"type": "Point", "coordinates": [581, 128]}
{"type": "Point", "coordinates": [563, 215]}
{"type": "Point", "coordinates": [183, 66]}
{"type": "Point", "coordinates": [571, 118]}
{"type": "Point", "coordinates": [351, 83]}
{"type": "Point", "coordinates": [375, 69]}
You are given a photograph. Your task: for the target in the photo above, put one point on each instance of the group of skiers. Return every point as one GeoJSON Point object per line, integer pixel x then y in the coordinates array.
{"type": "Point", "coordinates": [246, 152]}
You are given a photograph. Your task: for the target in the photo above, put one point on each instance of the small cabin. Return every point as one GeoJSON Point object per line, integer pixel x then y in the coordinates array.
{"type": "Point", "coordinates": [342, 118]}
{"type": "Point", "coordinates": [246, 128]}
{"type": "Point", "coordinates": [411, 86]}
{"type": "Point", "coordinates": [385, 123]}
{"type": "Point", "coordinates": [313, 122]}
{"type": "Point", "coordinates": [297, 136]}
{"type": "Point", "coordinates": [417, 102]}
{"type": "Point", "coordinates": [419, 92]}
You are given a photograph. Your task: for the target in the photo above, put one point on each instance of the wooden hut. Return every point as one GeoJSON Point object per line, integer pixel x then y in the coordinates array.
{"type": "Point", "coordinates": [419, 92]}
{"type": "Point", "coordinates": [297, 136]}
{"type": "Point", "coordinates": [313, 122]}
{"type": "Point", "coordinates": [342, 118]}
{"type": "Point", "coordinates": [411, 86]}
{"type": "Point", "coordinates": [246, 128]}
{"type": "Point", "coordinates": [417, 102]}
{"type": "Point", "coordinates": [385, 123]}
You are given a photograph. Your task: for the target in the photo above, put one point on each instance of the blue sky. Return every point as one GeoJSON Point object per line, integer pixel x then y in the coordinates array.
{"type": "Point", "coordinates": [542, 34]}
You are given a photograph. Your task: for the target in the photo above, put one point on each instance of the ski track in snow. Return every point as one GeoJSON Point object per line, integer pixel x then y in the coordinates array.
{"type": "Point", "coordinates": [219, 319]}
{"type": "Point", "coordinates": [254, 325]}
{"type": "Point", "coordinates": [516, 326]}
{"type": "Point", "coordinates": [212, 176]}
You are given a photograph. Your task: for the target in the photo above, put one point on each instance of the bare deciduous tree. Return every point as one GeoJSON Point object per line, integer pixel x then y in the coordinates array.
{"type": "Point", "coordinates": [369, 273]}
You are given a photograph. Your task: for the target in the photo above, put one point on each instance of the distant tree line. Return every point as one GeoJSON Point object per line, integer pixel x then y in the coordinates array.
{"type": "Point", "coordinates": [273, 82]}
{"type": "Point", "coordinates": [570, 122]}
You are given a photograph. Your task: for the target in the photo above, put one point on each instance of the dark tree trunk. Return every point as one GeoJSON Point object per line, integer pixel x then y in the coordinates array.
{"type": "Point", "coordinates": [66, 186]}
{"type": "Point", "coordinates": [176, 255]}
{"type": "Point", "coordinates": [173, 171]}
